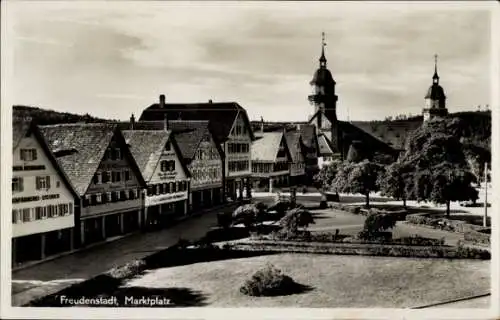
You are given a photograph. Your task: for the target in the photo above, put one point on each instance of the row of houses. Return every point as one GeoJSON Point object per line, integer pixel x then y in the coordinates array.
{"type": "Point", "coordinates": [81, 183]}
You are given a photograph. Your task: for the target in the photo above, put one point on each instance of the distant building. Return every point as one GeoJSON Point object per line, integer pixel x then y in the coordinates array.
{"type": "Point", "coordinates": [231, 129]}
{"type": "Point", "coordinates": [43, 199]}
{"type": "Point", "coordinates": [271, 160]}
{"type": "Point", "coordinates": [162, 166]}
{"type": "Point", "coordinates": [435, 99]}
{"type": "Point", "coordinates": [103, 171]}
{"type": "Point", "coordinates": [204, 159]}
{"type": "Point", "coordinates": [335, 137]}
{"type": "Point", "coordinates": [298, 153]}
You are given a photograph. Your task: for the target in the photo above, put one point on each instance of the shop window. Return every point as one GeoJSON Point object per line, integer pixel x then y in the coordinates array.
{"type": "Point", "coordinates": [27, 215]}
{"type": "Point", "coordinates": [17, 184]}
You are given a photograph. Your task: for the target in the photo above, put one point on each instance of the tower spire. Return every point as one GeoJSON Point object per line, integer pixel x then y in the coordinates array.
{"type": "Point", "coordinates": [322, 59]}
{"type": "Point", "coordinates": [435, 77]}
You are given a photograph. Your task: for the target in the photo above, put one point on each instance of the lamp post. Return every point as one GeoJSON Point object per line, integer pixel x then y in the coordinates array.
{"type": "Point", "coordinates": [485, 217]}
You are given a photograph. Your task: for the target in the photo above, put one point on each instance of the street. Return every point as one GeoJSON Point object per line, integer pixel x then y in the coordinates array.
{"type": "Point", "coordinates": [54, 275]}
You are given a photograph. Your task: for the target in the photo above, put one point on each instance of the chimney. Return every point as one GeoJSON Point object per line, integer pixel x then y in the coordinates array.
{"type": "Point", "coordinates": [298, 126]}
{"type": "Point", "coordinates": [262, 124]}
{"type": "Point", "coordinates": [162, 101]}
{"type": "Point", "coordinates": [210, 101]}
{"type": "Point", "coordinates": [165, 122]}
{"type": "Point", "coordinates": [132, 122]}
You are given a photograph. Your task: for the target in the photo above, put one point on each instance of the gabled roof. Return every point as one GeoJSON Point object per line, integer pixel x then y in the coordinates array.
{"type": "Point", "coordinates": [189, 135]}
{"type": "Point", "coordinates": [294, 141]}
{"type": "Point", "coordinates": [81, 147]}
{"type": "Point", "coordinates": [21, 127]}
{"type": "Point", "coordinates": [325, 146]}
{"type": "Point", "coordinates": [308, 135]}
{"type": "Point", "coordinates": [221, 115]}
{"type": "Point", "coordinates": [147, 147]}
{"type": "Point", "coordinates": [266, 147]}
{"type": "Point", "coordinates": [352, 132]}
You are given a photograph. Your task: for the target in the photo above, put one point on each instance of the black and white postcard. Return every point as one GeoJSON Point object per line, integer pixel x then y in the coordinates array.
{"type": "Point", "coordinates": [250, 159]}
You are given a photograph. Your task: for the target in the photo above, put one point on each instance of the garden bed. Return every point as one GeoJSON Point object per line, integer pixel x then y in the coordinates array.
{"type": "Point", "coordinates": [442, 223]}
{"type": "Point", "coordinates": [480, 237]}
{"type": "Point", "coordinates": [395, 211]}
{"type": "Point", "coordinates": [368, 249]}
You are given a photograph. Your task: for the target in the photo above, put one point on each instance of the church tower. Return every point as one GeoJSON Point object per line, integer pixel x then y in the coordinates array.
{"type": "Point", "coordinates": [324, 99]}
{"type": "Point", "coordinates": [435, 99]}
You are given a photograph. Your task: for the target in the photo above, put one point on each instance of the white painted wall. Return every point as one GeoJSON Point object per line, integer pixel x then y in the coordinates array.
{"type": "Point", "coordinates": [234, 137]}
{"type": "Point", "coordinates": [57, 187]}
{"type": "Point", "coordinates": [167, 177]}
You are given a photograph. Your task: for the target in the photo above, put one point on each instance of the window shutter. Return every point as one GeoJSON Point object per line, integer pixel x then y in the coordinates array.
{"type": "Point", "coordinates": [48, 182]}
{"type": "Point", "coordinates": [37, 182]}
{"type": "Point", "coordinates": [21, 184]}
{"type": "Point", "coordinates": [23, 157]}
{"type": "Point", "coordinates": [34, 154]}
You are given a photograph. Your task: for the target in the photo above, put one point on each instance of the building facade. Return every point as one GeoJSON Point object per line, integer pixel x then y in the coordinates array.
{"type": "Point", "coordinates": [159, 159]}
{"type": "Point", "coordinates": [231, 130]}
{"type": "Point", "coordinates": [237, 149]}
{"type": "Point", "coordinates": [43, 200]}
{"type": "Point", "coordinates": [100, 165]}
{"type": "Point", "coordinates": [298, 165]}
{"type": "Point", "coordinates": [271, 161]}
{"type": "Point", "coordinates": [204, 160]}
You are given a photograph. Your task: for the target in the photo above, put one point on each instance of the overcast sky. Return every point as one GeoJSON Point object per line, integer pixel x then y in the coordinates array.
{"type": "Point", "coordinates": [113, 59]}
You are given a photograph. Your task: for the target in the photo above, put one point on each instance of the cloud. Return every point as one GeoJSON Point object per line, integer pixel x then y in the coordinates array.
{"type": "Point", "coordinates": [43, 41]}
{"type": "Point", "coordinates": [262, 55]}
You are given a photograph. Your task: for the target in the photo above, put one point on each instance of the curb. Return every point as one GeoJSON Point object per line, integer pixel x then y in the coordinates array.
{"type": "Point", "coordinates": [112, 239]}
{"type": "Point", "coordinates": [452, 301]}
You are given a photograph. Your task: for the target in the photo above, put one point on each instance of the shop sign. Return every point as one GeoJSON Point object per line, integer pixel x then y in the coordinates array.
{"type": "Point", "coordinates": [166, 198]}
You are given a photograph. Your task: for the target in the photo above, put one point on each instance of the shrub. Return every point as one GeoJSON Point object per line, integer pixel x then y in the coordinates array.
{"type": "Point", "coordinates": [280, 207]}
{"type": "Point", "coordinates": [269, 281]}
{"type": "Point", "coordinates": [296, 218]}
{"type": "Point", "coordinates": [246, 214]}
{"type": "Point", "coordinates": [224, 220]}
{"type": "Point", "coordinates": [127, 270]}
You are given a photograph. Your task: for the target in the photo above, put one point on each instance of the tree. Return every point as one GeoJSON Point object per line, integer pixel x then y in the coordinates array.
{"type": "Point", "coordinates": [393, 182]}
{"type": "Point", "coordinates": [375, 224]}
{"type": "Point", "coordinates": [358, 178]}
{"type": "Point", "coordinates": [439, 170]}
{"type": "Point", "coordinates": [323, 179]}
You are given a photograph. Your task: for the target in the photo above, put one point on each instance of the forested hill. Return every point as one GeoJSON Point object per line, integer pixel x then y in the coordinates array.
{"type": "Point", "coordinates": [45, 116]}
{"type": "Point", "coordinates": [394, 131]}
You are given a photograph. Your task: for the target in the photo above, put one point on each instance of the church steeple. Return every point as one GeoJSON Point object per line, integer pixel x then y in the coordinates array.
{"type": "Point", "coordinates": [322, 59]}
{"type": "Point", "coordinates": [435, 77]}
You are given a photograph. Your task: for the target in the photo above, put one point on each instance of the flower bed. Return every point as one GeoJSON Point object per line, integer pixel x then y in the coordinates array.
{"type": "Point", "coordinates": [391, 250]}
{"type": "Point", "coordinates": [399, 214]}
{"type": "Point", "coordinates": [441, 223]}
{"type": "Point", "coordinates": [480, 237]}
{"type": "Point", "coordinates": [330, 237]}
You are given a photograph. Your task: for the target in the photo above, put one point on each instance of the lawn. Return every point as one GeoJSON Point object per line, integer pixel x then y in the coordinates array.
{"type": "Point", "coordinates": [336, 281]}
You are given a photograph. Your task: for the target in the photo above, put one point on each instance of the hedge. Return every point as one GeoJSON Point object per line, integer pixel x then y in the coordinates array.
{"type": "Point", "coordinates": [442, 223]}
{"type": "Point", "coordinates": [392, 250]}
{"type": "Point", "coordinates": [399, 215]}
